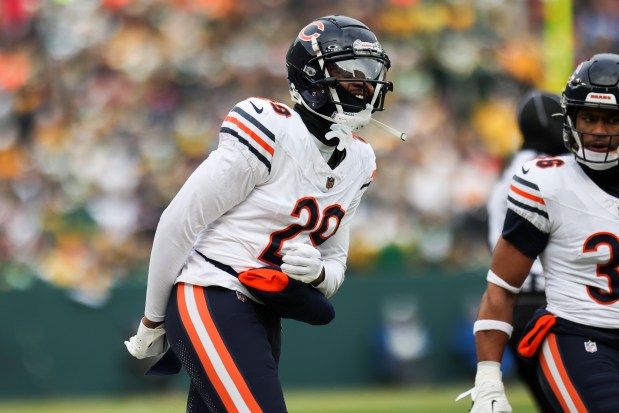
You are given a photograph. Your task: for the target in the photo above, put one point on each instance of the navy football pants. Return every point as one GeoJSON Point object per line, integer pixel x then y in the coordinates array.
{"type": "Point", "coordinates": [579, 374]}
{"type": "Point", "coordinates": [527, 302]}
{"type": "Point", "coordinates": [229, 346]}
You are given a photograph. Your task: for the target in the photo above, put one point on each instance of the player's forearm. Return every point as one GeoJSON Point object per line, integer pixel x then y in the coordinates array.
{"type": "Point", "coordinates": [490, 345]}
{"type": "Point", "coordinates": [493, 326]}
{"type": "Point", "coordinates": [496, 305]}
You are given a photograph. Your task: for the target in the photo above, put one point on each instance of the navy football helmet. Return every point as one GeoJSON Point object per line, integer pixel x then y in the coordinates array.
{"type": "Point", "coordinates": [594, 84]}
{"type": "Point", "coordinates": [336, 66]}
{"type": "Point", "coordinates": [541, 122]}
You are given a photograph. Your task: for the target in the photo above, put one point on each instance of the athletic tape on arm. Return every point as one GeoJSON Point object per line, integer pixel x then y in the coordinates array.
{"type": "Point", "coordinates": [481, 325]}
{"type": "Point", "coordinates": [496, 280]}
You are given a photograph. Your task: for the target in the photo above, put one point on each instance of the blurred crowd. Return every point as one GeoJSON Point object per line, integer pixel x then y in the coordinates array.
{"type": "Point", "coordinates": [106, 106]}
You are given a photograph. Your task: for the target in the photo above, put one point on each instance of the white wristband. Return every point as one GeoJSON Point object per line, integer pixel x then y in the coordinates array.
{"type": "Point", "coordinates": [496, 280]}
{"type": "Point", "coordinates": [481, 325]}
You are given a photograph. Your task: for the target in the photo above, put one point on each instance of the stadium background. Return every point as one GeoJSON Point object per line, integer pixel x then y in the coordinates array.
{"type": "Point", "coordinates": [106, 106]}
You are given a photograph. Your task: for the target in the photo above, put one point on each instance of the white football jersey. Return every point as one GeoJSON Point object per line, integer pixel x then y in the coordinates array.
{"type": "Point", "coordinates": [265, 186]}
{"type": "Point", "coordinates": [581, 259]}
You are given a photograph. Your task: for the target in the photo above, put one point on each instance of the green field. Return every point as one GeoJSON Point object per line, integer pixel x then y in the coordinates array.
{"type": "Point", "coordinates": [410, 400]}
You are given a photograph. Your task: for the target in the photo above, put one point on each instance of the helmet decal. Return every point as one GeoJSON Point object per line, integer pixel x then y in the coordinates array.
{"type": "Point", "coordinates": [308, 38]}
{"type": "Point", "coordinates": [333, 48]}
{"type": "Point", "coordinates": [361, 47]}
{"type": "Point", "coordinates": [601, 98]}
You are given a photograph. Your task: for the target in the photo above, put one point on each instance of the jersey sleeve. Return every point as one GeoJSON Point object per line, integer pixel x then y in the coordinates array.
{"type": "Point", "coordinates": [251, 125]}
{"type": "Point", "coordinates": [526, 199]}
{"type": "Point", "coordinates": [527, 223]}
{"type": "Point", "coordinates": [241, 161]}
{"type": "Point", "coordinates": [497, 202]}
{"type": "Point", "coordinates": [523, 235]}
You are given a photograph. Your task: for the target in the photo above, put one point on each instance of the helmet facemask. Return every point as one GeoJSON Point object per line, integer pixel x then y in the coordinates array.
{"type": "Point", "coordinates": [604, 157]}
{"type": "Point", "coordinates": [353, 81]}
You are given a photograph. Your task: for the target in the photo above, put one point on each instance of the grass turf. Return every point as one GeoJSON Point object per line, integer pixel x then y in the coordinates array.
{"type": "Point", "coordinates": [400, 400]}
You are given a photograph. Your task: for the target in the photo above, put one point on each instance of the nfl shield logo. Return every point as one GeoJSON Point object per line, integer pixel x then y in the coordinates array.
{"type": "Point", "coordinates": [590, 346]}
{"type": "Point", "coordinates": [330, 182]}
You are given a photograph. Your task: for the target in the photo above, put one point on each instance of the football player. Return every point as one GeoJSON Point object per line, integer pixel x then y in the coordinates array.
{"type": "Point", "coordinates": [566, 211]}
{"type": "Point", "coordinates": [278, 192]}
{"type": "Point", "coordinates": [542, 135]}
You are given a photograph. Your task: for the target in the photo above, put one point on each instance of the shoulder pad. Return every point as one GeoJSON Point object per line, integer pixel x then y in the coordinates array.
{"type": "Point", "coordinates": [250, 123]}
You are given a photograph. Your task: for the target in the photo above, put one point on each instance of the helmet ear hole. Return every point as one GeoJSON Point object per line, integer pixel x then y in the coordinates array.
{"type": "Point", "coordinates": [315, 97]}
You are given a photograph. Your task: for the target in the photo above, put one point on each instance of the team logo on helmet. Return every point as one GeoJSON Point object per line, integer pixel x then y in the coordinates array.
{"type": "Point", "coordinates": [601, 98]}
{"type": "Point", "coordinates": [309, 37]}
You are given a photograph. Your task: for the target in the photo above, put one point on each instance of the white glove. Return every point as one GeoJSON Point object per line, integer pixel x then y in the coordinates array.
{"type": "Point", "coordinates": [489, 393]}
{"type": "Point", "coordinates": [302, 262]}
{"type": "Point", "coordinates": [148, 342]}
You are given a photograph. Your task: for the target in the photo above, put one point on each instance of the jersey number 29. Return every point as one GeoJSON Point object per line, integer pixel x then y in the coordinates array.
{"type": "Point", "coordinates": [318, 225]}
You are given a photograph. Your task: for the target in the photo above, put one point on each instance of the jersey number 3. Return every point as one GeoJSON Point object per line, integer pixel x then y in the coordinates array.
{"type": "Point", "coordinates": [608, 270]}
{"type": "Point", "coordinates": [317, 224]}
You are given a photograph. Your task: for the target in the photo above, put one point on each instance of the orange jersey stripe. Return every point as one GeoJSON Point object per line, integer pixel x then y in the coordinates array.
{"type": "Point", "coordinates": [251, 133]}
{"type": "Point", "coordinates": [226, 358]}
{"type": "Point", "coordinates": [199, 348]}
{"type": "Point", "coordinates": [527, 195]}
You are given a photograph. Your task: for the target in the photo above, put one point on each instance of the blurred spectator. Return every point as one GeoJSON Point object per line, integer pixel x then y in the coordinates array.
{"type": "Point", "coordinates": [106, 107]}
{"type": "Point", "coordinates": [596, 26]}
